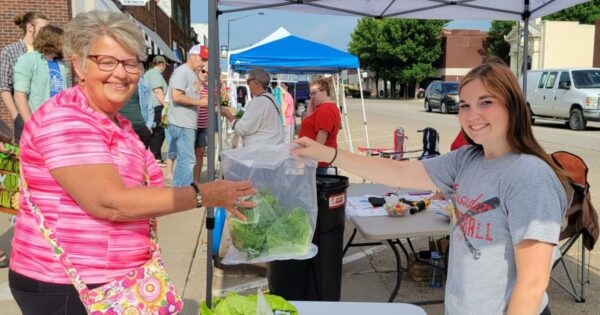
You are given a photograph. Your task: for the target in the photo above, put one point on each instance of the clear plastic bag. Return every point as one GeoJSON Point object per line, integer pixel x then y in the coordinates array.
{"type": "Point", "coordinates": [282, 224]}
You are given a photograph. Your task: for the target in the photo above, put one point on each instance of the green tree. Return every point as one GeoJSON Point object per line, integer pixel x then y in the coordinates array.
{"type": "Point", "coordinates": [585, 13]}
{"type": "Point", "coordinates": [495, 45]}
{"type": "Point", "coordinates": [397, 49]}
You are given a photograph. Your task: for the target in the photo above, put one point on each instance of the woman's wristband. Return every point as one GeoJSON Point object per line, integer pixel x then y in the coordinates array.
{"type": "Point", "coordinates": [334, 155]}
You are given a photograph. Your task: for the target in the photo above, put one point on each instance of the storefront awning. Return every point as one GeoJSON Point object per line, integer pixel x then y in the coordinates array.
{"type": "Point", "coordinates": [155, 44]}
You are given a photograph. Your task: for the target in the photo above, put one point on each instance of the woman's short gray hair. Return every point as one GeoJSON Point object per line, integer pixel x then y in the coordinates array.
{"type": "Point", "coordinates": [261, 77]}
{"type": "Point", "coordinates": [83, 30]}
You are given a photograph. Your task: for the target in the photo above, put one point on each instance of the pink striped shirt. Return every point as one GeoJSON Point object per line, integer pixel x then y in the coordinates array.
{"type": "Point", "coordinates": [203, 111]}
{"type": "Point", "coordinates": [65, 131]}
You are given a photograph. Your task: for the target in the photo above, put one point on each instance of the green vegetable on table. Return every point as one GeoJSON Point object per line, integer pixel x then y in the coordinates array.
{"type": "Point", "coordinates": [270, 229]}
{"type": "Point", "coordinates": [234, 304]}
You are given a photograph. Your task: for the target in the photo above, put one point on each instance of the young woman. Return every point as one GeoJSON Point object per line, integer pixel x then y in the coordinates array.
{"type": "Point", "coordinates": [508, 195]}
{"type": "Point", "coordinates": [322, 121]}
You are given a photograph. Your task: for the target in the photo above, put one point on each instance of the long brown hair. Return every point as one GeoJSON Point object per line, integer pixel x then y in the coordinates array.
{"type": "Point", "coordinates": [49, 41]}
{"type": "Point", "coordinates": [22, 20]}
{"type": "Point", "coordinates": [499, 80]}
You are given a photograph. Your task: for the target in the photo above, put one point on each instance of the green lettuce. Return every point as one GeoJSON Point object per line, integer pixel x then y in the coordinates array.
{"type": "Point", "coordinates": [269, 229]}
{"type": "Point", "coordinates": [234, 304]}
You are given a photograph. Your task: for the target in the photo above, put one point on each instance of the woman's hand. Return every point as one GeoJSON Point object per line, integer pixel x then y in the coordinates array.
{"type": "Point", "coordinates": [314, 150]}
{"type": "Point", "coordinates": [228, 195]}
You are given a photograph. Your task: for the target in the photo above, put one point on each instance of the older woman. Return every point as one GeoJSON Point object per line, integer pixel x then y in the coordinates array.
{"type": "Point", "coordinates": [90, 176]}
{"type": "Point", "coordinates": [322, 121]}
{"type": "Point", "coordinates": [40, 74]}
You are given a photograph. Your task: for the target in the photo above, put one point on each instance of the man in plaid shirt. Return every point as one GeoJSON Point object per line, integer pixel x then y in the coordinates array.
{"type": "Point", "coordinates": [30, 23]}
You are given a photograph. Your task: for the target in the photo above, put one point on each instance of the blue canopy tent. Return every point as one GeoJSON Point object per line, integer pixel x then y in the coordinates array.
{"type": "Point", "coordinates": [293, 54]}
{"type": "Point", "coordinates": [284, 53]}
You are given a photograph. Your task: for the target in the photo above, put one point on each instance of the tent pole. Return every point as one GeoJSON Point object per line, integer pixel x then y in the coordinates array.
{"type": "Point", "coordinates": [345, 109]}
{"type": "Point", "coordinates": [218, 118]}
{"type": "Point", "coordinates": [525, 46]}
{"type": "Point", "coordinates": [336, 87]}
{"type": "Point", "coordinates": [213, 68]}
{"type": "Point", "coordinates": [362, 100]}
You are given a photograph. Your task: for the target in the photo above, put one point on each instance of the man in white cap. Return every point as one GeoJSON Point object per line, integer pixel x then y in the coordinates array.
{"type": "Point", "coordinates": [184, 98]}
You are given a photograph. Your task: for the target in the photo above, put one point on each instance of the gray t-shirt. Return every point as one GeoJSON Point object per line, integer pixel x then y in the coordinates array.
{"type": "Point", "coordinates": [499, 203]}
{"type": "Point", "coordinates": [185, 80]}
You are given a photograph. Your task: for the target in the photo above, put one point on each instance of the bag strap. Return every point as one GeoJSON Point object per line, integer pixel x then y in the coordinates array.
{"type": "Point", "coordinates": [272, 101]}
{"type": "Point", "coordinates": [60, 253]}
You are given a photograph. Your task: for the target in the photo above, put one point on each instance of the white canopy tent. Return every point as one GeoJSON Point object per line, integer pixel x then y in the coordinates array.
{"type": "Point", "coordinates": [516, 10]}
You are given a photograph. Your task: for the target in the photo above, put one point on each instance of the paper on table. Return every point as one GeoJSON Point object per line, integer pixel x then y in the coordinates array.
{"type": "Point", "coordinates": [360, 206]}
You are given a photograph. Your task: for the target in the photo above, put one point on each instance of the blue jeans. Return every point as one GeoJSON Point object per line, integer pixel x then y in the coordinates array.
{"type": "Point", "coordinates": [183, 140]}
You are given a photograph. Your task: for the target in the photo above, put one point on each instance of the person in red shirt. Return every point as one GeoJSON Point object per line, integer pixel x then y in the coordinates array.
{"type": "Point", "coordinates": [459, 141]}
{"type": "Point", "coordinates": [322, 121]}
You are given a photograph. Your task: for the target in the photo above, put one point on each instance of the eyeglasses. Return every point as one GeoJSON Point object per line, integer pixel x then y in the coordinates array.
{"type": "Point", "coordinates": [313, 93]}
{"type": "Point", "coordinates": [203, 71]}
{"type": "Point", "coordinates": [109, 63]}
{"type": "Point", "coordinates": [249, 80]}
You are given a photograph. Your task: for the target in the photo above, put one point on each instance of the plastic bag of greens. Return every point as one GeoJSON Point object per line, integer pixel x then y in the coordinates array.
{"type": "Point", "coordinates": [282, 224]}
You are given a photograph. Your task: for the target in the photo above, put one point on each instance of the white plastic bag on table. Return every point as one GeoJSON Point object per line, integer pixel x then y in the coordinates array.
{"type": "Point", "coordinates": [282, 224]}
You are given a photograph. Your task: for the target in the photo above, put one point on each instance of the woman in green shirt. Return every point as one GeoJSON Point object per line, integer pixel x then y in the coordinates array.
{"type": "Point", "coordinates": [40, 74]}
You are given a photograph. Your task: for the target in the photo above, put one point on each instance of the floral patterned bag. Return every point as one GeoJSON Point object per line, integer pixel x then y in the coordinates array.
{"type": "Point", "coordinates": [145, 290]}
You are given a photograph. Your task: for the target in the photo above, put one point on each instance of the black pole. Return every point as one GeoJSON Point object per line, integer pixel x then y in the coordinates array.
{"type": "Point", "coordinates": [213, 75]}
{"type": "Point", "coordinates": [526, 14]}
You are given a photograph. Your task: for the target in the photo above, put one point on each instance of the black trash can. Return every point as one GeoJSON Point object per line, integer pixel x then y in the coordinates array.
{"type": "Point", "coordinates": [318, 278]}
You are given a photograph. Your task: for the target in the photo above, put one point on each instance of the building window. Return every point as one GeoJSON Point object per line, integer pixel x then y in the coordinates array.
{"type": "Point", "coordinates": [180, 16]}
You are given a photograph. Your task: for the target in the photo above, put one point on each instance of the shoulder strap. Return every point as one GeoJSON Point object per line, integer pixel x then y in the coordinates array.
{"type": "Point", "coordinates": [60, 253]}
{"type": "Point", "coordinates": [272, 101]}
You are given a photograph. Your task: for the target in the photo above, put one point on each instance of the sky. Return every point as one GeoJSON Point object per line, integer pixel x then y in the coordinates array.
{"type": "Point", "coordinates": [326, 29]}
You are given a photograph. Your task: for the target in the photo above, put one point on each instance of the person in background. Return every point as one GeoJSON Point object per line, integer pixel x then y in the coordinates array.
{"type": "Point", "coordinates": [261, 123]}
{"type": "Point", "coordinates": [139, 112]}
{"type": "Point", "coordinates": [241, 96]}
{"type": "Point", "coordinates": [202, 132]}
{"type": "Point", "coordinates": [30, 23]}
{"type": "Point", "coordinates": [288, 113]}
{"type": "Point", "coordinates": [458, 142]}
{"type": "Point", "coordinates": [507, 193]}
{"type": "Point", "coordinates": [322, 121]}
{"type": "Point", "coordinates": [91, 177]}
{"type": "Point", "coordinates": [40, 74]}
{"type": "Point", "coordinates": [157, 84]}
{"type": "Point", "coordinates": [183, 113]}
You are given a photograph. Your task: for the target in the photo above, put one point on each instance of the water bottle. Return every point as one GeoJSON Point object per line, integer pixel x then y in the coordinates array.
{"type": "Point", "coordinates": [437, 274]}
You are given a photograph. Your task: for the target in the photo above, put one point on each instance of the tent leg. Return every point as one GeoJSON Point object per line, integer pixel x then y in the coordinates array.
{"type": "Point", "coordinates": [525, 45]}
{"type": "Point", "coordinates": [336, 85]}
{"type": "Point", "coordinates": [214, 75]}
{"type": "Point", "coordinates": [362, 99]}
{"type": "Point", "coordinates": [345, 109]}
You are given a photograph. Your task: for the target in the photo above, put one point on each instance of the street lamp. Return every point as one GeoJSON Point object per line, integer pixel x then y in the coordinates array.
{"type": "Point", "coordinates": [238, 18]}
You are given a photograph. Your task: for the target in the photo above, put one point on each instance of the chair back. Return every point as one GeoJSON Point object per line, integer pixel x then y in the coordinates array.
{"type": "Point", "coordinates": [431, 143]}
{"type": "Point", "coordinates": [581, 215]}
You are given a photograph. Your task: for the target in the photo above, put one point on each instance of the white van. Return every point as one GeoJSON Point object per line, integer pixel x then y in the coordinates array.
{"type": "Point", "coordinates": [570, 95]}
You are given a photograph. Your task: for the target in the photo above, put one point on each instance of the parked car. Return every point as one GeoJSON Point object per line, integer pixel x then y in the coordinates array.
{"type": "Point", "coordinates": [569, 95]}
{"type": "Point", "coordinates": [354, 91]}
{"type": "Point", "coordinates": [442, 95]}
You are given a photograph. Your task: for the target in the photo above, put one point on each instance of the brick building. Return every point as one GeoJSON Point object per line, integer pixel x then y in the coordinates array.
{"type": "Point", "coordinates": [165, 24]}
{"type": "Point", "coordinates": [57, 11]}
{"type": "Point", "coordinates": [462, 50]}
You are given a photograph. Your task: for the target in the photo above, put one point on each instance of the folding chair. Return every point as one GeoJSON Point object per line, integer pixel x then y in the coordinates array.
{"type": "Point", "coordinates": [431, 146]}
{"type": "Point", "coordinates": [582, 221]}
